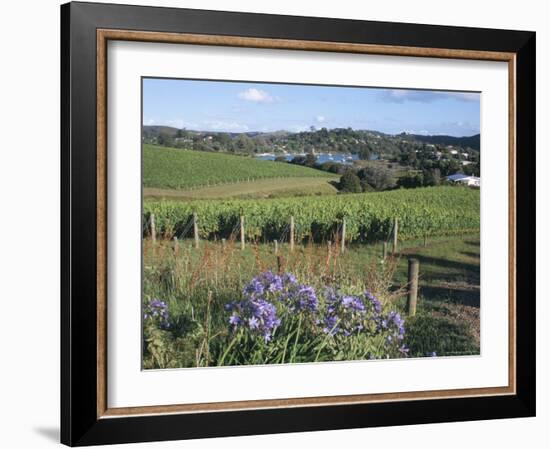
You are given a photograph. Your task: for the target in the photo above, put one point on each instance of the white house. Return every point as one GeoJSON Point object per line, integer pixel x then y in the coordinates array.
{"type": "Point", "coordinates": [473, 181]}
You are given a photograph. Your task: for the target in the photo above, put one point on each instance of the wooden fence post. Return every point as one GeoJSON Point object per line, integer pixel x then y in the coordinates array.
{"type": "Point", "coordinates": [153, 228]}
{"type": "Point", "coordinates": [291, 238]}
{"type": "Point", "coordinates": [279, 264]}
{"type": "Point", "coordinates": [223, 243]}
{"type": "Point", "coordinates": [276, 246]}
{"type": "Point", "coordinates": [425, 240]}
{"type": "Point", "coordinates": [343, 235]}
{"type": "Point", "coordinates": [395, 232]}
{"type": "Point", "coordinates": [384, 250]}
{"type": "Point", "coordinates": [196, 230]}
{"type": "Point", "coordinates": [413, 286]}
{"type": "Point", "coordinates": [176, 246]}
{"type": "Point", "coordinates": [242, 232]}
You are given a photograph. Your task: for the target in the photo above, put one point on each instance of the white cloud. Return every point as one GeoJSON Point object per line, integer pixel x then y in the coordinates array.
{"type": "Point", "coordinates": [256, 96]}
{"type": "Point", "coordinates": [298, 128]}
{"type": "Point", "coordinates": [425, 96]}
{"type": "Point", "coordinates": [174, 123]}
{"type": "Point", "coordinates": [222, 125]}
{"type": "Point", "coordinates": [205, 125]}
{"type": "Point", "coordinates": [424, 132]}
{"type": "Point", "coordinates": [464, 96]}
{"type": "Point", "coordinates": [320, 118]}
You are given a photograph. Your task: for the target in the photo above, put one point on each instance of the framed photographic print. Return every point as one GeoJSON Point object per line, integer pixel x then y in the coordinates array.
{"type": "Point", "coordinates": [279, 224]}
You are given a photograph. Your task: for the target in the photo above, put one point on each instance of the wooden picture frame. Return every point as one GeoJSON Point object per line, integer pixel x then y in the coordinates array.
{"type": "Point", "coordinates": [86, 29]}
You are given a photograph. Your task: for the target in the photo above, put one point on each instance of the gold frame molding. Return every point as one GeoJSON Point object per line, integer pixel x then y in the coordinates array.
{"type": "Point", "coordinates": [105, 35]}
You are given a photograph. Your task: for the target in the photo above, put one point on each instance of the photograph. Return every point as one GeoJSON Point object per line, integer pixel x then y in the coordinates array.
{"type": "Point", "coordinates": [295, 223]}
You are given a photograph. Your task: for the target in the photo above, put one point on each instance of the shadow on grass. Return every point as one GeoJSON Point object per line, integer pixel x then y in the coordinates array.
{"type": "Point", "coordinates": [335, 183]}
{"type": "Point", "coordinates": [465, 297]}
{"type": "Point", "coordinates": [469, 271]}
{"type": "Point", "coordinates": [470, 254]}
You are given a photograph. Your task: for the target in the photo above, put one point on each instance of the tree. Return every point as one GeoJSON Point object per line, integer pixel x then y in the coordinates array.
{"type": "Point", "coordinates": [378, 178]}
{"type": "Point", "coordinates": [332, 167]}
{"type": "Point", "coordinates": [411, 181]}
{"type": "Point", "coordinates": [165, 140]}
{"type": "Point", "coordinates": [298, 160]}
{"type": "Point", "coordinates": [310, 160]}
{"type": "Point", "coordinates": [225, 141]}
{"type": "Point", "coordinates": [245, 143]}
{"type": "Point", "coordinates": [432, 177]}
{"type": "Point", "coordinates": [449, 167]}
{"type": "Point", "coordinates": [471, 169]}
{"type": "Point", "coordinates": [364, 152]}
{"type": "Point", "coordinates": [349, 182]}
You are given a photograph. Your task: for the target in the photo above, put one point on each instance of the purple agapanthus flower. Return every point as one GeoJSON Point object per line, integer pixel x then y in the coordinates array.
{"type": "Point", "coordinates": [394, 326]}
{"type": "Point", "coordinates": [374, 303]}
{"type": "Point", "coordinates": [257, 315]}
{"type": "Point", "coordinates": [267, 282]}
{"type": "Point", "coordinates": [344, 314]}
{"type": "Point", "coordinates": [156, 310]}
{"type": "Point", "coordinates": [300, 298]}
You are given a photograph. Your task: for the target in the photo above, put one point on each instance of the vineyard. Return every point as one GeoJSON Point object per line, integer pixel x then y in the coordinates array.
{"type": "Point", "coordinates": [172, 168]}
{"type": "Point", "coordinates": [431, 211]}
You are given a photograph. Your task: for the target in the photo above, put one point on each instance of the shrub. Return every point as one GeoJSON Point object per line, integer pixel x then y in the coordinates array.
{"type": "Point", "coordinates": [377, 178]}
{"type": "Point", "coordinates": [350, 182]}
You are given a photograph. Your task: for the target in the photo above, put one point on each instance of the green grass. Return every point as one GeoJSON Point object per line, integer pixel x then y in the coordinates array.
{"type": "Point", "coordinates": [171, 168]}
{"type": "Point", "coordinates": [262, 188]}
{"type": "Point", "coordinates": [449, 271]}
{"type": "Point", "coordinates": [447, 319]}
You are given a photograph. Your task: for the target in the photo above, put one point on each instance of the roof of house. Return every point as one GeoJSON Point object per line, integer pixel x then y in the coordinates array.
{"type": "Point", "coordinates": [457, 177]}
{"type": "Point", "coordinates": [461, 177]}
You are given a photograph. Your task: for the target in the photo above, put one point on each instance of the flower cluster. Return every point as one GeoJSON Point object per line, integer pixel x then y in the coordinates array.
{"type": "Point", "coordinates": [344, 314]}
{"type": "Point", "coordinates": [373, 303]}
{"type": "Point", "coordinates": [157, 311]}
{"type": "Point", "coordinates": [299, 297]}
{"type": "Point", "coordinates": [263, 284]}
{"type": "Point", "coordinates": [258, 315]}
{"type": "Point", "coordinates": [394, 326]}
{"type": "Point", "coordinates": [270, 297]}
{"type": "Point", "coordinates": [258, 310]}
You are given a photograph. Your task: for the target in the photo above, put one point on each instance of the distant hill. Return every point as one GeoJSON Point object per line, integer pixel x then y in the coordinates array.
{"type": "Point", "coordinates": [471, 141]}
{"type": "Point", "coordinates": [153, 131]}
{"type": "Point", "coordinates": [364, 143]}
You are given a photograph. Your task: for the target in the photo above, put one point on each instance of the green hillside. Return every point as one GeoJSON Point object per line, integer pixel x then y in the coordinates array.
{"type": "Point", "coordinates": [171, 168]}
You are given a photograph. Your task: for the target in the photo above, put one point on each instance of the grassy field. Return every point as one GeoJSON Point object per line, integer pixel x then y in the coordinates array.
{"type": "Point", "coordinates": [197, 284]}
{"type": "Point", "coordinates": [261, 188]}
{"type": "Point", "coordinates": [171, 168]}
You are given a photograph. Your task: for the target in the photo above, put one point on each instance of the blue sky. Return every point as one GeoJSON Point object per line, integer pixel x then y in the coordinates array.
{"type": "Point", "coordinates": [243, 106]}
